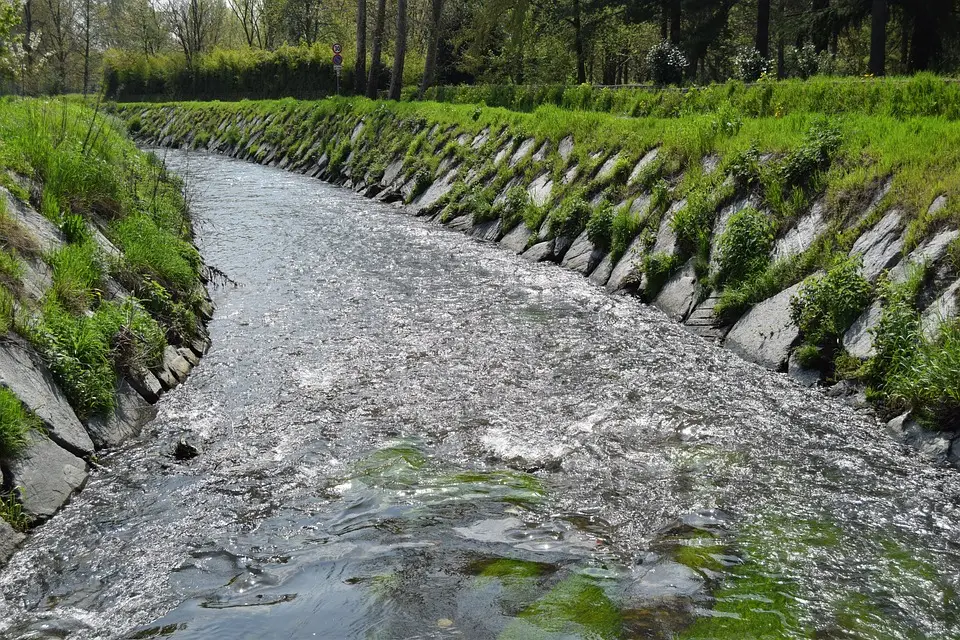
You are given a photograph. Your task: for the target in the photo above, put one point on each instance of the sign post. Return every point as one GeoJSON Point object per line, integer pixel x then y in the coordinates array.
{"type": "Point", "coordinates": [338, 63]}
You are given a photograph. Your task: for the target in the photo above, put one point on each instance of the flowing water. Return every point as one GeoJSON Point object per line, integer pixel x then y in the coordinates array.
{"type": "Point", "coordinates": [409, 434]}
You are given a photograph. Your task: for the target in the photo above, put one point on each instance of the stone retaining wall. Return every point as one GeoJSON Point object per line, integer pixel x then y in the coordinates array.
{"type": "Point", "coordinates": [765, 335]}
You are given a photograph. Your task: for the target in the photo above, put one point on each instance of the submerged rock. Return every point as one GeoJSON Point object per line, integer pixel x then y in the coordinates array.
{"type": "Point", "coordinates": [10, 539]}
{"type": "Point", "coordinates": [936, 445]}
{"type": "Point", "coordinates": [187, 449]}
{"type": "Point", "coordinates": [126, 420]}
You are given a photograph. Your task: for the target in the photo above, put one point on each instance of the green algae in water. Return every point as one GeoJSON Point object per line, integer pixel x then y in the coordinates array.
{"type": "Point", "coordinates": [397, 465]}
{"type": "Point", "coordinates": [701, 553]}
{"type": "Point", "coordinates": [509, 570]}
{"type": "Point", "coordinates": [751, 604]}
{"type": "Point", "coordinates": [521, 489]}
{"type": "Point", "coordinates": [575, 607]}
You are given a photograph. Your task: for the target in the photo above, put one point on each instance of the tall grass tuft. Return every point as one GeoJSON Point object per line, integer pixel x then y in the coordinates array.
{"type": "Point", "coordinates": [16, 421]}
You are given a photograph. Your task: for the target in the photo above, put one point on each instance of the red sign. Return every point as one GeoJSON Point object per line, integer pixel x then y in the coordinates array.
{"type": "Point", "coordinates": [338, 48]}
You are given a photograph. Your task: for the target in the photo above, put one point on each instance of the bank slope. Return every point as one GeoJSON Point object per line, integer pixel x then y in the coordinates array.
{"type": "Point", "coordinates": [102, 299]}
{"type": "Point", "coordinates": [823, 247]}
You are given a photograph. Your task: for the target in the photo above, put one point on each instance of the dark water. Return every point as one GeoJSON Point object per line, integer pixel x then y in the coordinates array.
{"type": "Point", "coordinates": [408, 434]}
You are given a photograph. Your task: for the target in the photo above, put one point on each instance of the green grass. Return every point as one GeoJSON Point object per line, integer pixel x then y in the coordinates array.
{"type": "Point", "coordinates": [16, 421]}
{"type": "Point", "coordinates": [920, 95]}
{"type": "Point", "coordinates": [86, 354]}
{"type": "Point", "coordinates": [77, 276]}
{"type": "Point", "coordinates": [90, 174]}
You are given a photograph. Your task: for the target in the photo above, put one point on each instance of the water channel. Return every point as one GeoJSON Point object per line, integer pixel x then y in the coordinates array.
{"type": "Point", "coordinates": [406, 433]}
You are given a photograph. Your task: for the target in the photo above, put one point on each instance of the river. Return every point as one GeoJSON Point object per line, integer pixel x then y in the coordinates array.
{"type": "Point", "coordinates": [406, 433]}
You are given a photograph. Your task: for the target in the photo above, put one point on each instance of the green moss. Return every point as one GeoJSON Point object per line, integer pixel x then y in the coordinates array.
{"type": "Point", "coordinates": [576, 607]}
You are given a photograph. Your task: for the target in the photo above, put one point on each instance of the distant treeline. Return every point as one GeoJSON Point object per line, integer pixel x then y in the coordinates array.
{"type": "Point", "coordinates": [306, 72]}
{"type": "Point", "coordinates": [298, 72]}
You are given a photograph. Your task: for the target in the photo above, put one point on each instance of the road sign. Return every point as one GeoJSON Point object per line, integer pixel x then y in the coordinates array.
{"type": "Point", "coordinates": [337, 60]}
{"type": "Point", "coordinates": [338, 48]}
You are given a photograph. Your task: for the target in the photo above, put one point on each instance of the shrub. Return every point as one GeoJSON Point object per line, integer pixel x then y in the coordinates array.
{"type": "Point", "coordinates": [822, 140]}
{"type": "Point", "coordinates": [745, 167]}
{"type": "Point", "coordinates": [744, 247]}
{"type": "Point", "coordinates": [658, 267]}
{"type": "Point", "coordinates": [600, 226]}
{"type": "Point", "coordinates": [623, 229]}
{"type": "Point", "coordinates": [666, 64]}
{"type": "Point", "coordinates": [804, 61]}
{"type": "Point", "coordinates": [749, 65]}
{"type": "Point", "coordinates": [570, 218]}
{"type": "Point", "coordinates": [512, 208]}
{"type": "Point", "coordinates": [85, 353]}
{"type": "Point", "coordinates": [826, 306]}
{"type": "Point", "coordinates": [16, 421]}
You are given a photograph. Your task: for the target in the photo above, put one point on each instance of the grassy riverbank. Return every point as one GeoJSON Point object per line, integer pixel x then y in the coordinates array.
{"type": "Point", "coordinates": [855, 169]}
{"type": "Point", "coordinates": [97, 269]}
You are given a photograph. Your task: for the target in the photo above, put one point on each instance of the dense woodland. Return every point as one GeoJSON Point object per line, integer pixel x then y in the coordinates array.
{"type": "Point", "coordinates": [61, 45]}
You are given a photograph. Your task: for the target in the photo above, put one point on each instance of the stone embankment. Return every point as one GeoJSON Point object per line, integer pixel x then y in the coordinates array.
{"type": "Point", "coordinates": [468, 176]}
{"type": "Point", "coordinates": [84, 356]}
{"type": "Point", "coordinates": [56, 461]}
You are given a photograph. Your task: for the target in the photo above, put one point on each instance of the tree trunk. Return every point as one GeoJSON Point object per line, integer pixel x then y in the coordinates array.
{"type": "Point", "coordinates": [86, 46]}
{"type": "Point", "coordinates": [763, 28]}
{"type": "Point", "coordinates": [820, 25]}
{"type": "Point", "coordinates": [360, 68]}
{"type": "Point", "coordinates": [399, 51]}
{"type": "Point", "coordinates": [925, 44]}
{"type": "Point", "coordinates": [578, 43]}
{"type": "Point", "coordinates": [373, 82]}
{"type": "Point", "coordinates": [904, 41]}
{"type": "Point", "coordinates": [664, 19]}
{"type": "Point", "coordinates": [675, 14]}
{"type": "Point", "coordinates": [430, 64]}
{"type": "Point", "coordinates": [878, 38]}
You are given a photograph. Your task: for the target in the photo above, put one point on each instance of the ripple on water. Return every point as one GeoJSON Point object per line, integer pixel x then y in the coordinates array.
{"type": "Point", "coordinates": [407, 434]}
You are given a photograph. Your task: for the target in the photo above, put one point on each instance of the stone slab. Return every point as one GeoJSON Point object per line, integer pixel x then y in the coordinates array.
{"type": "Point", "coordinates": [517, 239]}
{"type": "Point", "coordinates": [45, 476]}
{"type": "Point", "coordinates": [23, 372]}
{"type": "Point", "coordinates": [766, 334]}
{"type": "Point", "coordinates": [582, 256]}
{"type": "Point", "coordinates": [678, 295]}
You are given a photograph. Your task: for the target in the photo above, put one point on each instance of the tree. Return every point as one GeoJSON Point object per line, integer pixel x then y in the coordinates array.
{"type": "Point", "coordinates": [249, 13]}
{"type": "Point", "coordinates": [399, 51]}
{"type": "Point", "coordinates": [878, 38]}
{"type": "Point", "coordinates": [763, 28]}
{"type": "Point", "coordinates": [60, 39]}
{"type": "Point", "coordinates": [195, 25]}
{"type": "Point", "coordinates": [360, 68]}
{"type": "Point", "coordinates": [373, 82]}
{"type": "Point", "coordinates": [433, 45]}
